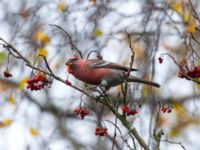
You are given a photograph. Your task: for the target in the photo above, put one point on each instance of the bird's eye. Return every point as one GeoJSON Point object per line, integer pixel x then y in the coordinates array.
{"type": "Point", "coordinates": [71, 61]}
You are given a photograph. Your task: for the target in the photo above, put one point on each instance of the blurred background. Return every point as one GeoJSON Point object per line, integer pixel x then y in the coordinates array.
{"type": "Point", "coordinates": [164, 36]}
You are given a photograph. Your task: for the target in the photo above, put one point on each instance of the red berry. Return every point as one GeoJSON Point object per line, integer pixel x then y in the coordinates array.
{"type": "Point", "coordinates": [7, 74]}
{"type": "Point", "coordinates": [67, 82]}
{"type": "Point", "coordinates": [101, 131]}
{"type": "Point", "coordinates": [160, 59]}
{"type": "Point", "coordinates": [132, 112]}
{"type": "Point", "coordinates": [129, 111]}
{"type": "Point", "coordinates": [125, 109]}
{"type": "Point", "coordinates": [166, 109]}
{"type": "Point", "coordinates": [37, 82]}
{"type": "Point", "coordinates": [82, 112]}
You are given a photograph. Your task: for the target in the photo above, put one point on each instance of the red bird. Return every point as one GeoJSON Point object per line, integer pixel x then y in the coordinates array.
{"type": "Point", "coordinates": [100, 72]}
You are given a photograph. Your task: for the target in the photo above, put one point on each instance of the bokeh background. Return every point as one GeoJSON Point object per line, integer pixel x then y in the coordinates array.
{"type": "Point", "coordinates": [45, 119]}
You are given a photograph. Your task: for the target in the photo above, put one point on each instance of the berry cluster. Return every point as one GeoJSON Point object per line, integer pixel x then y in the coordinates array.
{"type": "Point", "coordinates": [166, 108]}
{"type": "Point", "coordinates": [193, 73]}
{"type": "Point", "coordinates": [7, 74]}
{"type": "Point", "coordinates": [82, 112]}
{"type": "Point", "coordinates": [101, 131]}
{"type": "Point", "coordinates": [129, 111]}
{"type": "Point", "coordinates": [38, 82]}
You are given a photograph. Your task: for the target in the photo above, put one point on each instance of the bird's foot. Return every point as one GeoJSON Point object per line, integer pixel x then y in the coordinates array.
{"type": "Point", "coordinates": [101, 96]}
{"type": "Point", "coordinates": [92, 88]}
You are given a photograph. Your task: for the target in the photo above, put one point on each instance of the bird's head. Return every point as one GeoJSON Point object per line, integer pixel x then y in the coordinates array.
{"type": "Point", "coordinates": [71, 63]}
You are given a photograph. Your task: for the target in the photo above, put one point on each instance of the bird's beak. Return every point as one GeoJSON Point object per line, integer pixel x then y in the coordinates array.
{"type": "Point", "coordinates": [69, 65]}
{"type": "Point", "coordinates": [70, 62]}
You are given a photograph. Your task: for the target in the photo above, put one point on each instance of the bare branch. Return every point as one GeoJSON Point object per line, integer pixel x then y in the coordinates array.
{"type": "Point", "coordinates": [9, 46]}
{"type": "Point", "coordinates": [172, 142]}
{"type": "Point", "coordinates": [73, 46]}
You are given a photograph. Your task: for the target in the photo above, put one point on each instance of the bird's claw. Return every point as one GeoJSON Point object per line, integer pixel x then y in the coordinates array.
{"type": "Point", "coordinates": [101, 96]}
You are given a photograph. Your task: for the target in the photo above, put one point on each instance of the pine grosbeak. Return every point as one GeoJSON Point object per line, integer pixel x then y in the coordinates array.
{"type": "Point", "coordinates": [103, 73]}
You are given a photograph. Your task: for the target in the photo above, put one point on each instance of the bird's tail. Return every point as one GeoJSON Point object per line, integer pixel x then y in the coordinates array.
{"type": "Point", "coordinates": [135, 79]}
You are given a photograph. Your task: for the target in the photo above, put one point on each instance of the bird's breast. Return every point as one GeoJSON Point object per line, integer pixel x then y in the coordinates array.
{"type": "Point", "coordinates": [91, 76]}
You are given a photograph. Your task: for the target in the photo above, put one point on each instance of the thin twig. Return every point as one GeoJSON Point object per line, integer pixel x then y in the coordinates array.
{"type": "Point", "coordinates": [130, 45]}
{"type": "Point", "coordinates": [47, 64]}
{"type": "Point", "coordinates": [194, 10]}
{"type": "Point", "coordinates": [73, 46]}
{"type": "Point", "coordinates": [116, 127]}
{"type": "Point", "coordinates": [15, 50]}
{"type": "Point", "coordinates": [133, 54]}
{"type": "Point", "coordinates": [133, 139]}
{"type": "Point", "coordinates": [93, 51]}
{"type": "Point", "coordinates": [194, 38]}
{"type": "Point", "coordinates": [172, 142]}
{"type": "Point", "coordinates": [115, 134]}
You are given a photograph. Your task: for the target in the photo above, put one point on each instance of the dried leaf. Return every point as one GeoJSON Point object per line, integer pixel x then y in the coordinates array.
{"type": "Point", "coordinates": [188, 17]}
{"type": "Point", "coordinates": [177, 6]}
{"type": "Point", "coordinates": [23, 83]}
{"type": "Point", "coordinates": [42, 52]}
{"type": "Point", "coordinates": [7, 122]}
{"type": "Point", "coordinates": [6, 85]}
{"type": "Point", "coordinates": [1, 125]}
{"type": "Point", "coordinates": [34, 132]}
{"type": "Point", "coordinates": [191, 28]}
{"type": "Point", "coordinates": [61, 6]}
{"type": "Point", "coordinates": [93, 1]}
{"type": "Point", "coordinates": [25, 14]}
{"type": "Point", "coordinates": [2, 57]}
{"type": "Point", "coordinates": [98, 32]}
{"type": "Point", "coordinates": [11, 100]}
{"type": "Point", "coordinates": [43, 38]}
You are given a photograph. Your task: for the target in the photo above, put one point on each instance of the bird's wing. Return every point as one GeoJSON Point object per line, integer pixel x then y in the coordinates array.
{"type": "Point", "coordinates": [97, 63]}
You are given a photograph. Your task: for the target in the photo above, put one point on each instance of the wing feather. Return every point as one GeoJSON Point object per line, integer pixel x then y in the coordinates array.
{"type": "Point", "coordinates": [97, 63]}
